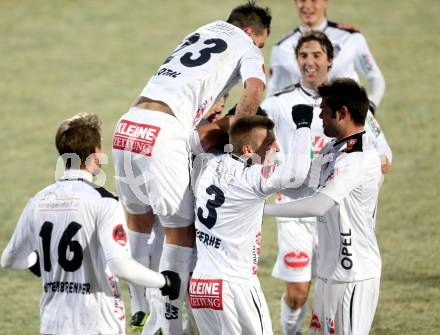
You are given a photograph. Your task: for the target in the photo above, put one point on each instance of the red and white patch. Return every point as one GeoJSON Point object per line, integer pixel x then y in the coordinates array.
{"type": "Point", "coordinates": [330, 325]}
{"type": "Point", "coordinates": [296, 259]}
{"type": "Point", "coordinates": [206, 293]}
{"type": "Point", "coordinates": [119, 235]}
{"type": "Point", "coordinates": [350, 144]}
{"type": "Point", "coordinates": [314, 322]}
{"type": "Point", "coordinates": [135, 137]}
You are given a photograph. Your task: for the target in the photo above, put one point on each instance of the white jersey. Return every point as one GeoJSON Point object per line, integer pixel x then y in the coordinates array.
{"type": "Point", "coordinates": [279, 109]}
{"type": "Point", "coordinates": [350, 175]}
{"type": "Point", "coordinates": [230, 198]}
{"type": "Point", "coordinates": [351, 56]}
{"type": "Point", "coordinates": [76, 227]}
{"type": "Point", "coordinates": [204, 67]}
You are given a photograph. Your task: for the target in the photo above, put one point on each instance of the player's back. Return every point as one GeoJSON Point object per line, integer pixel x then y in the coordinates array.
{"type": "Point", "coordinates": [202, 68]}
{"type": "Point", "coordinates": [81, 295]}
{"type": "Point", "coordinates": [228, 219]}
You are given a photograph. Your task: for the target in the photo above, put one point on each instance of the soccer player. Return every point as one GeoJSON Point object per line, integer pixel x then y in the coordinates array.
{"type": "Point", "coordinates": [151, 148]}
{"type": "Point", "coordinates": [297, 238]}
{"type": "Point", "coordinates": [78, 230]}
{"type": "Point", "coordinates": [349, 175]}
{"type": "Point", "coordinates": [351, 53]}
{"type": "Point", "coordinates": [230, 192]}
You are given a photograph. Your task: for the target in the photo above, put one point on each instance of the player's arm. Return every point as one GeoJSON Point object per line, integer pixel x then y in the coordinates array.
{"type": "Point", "coordinates": [18, 254]}
{"type": "Point", "coordinates": [373, 128]}
{"type": "Point", "coordinates": [366, 65]}
{"type": "Point", "coordinates": [113, 239]}
{"type": "Point", "coordinates": [210, 135]}
{"type": "Point", "coordinates": [250, 98]}
{"type": "Point", "coordinates": [293, 171]}
{"type": "Point", "coordinates": [315, 205]}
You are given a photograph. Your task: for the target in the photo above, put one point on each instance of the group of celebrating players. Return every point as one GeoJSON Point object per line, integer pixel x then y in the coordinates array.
{"type": "Point", "coordinates": [194, 187]}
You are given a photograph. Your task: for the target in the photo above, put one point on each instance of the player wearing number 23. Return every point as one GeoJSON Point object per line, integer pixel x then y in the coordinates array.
{"type": "Point", "coordinates": [78, 230]}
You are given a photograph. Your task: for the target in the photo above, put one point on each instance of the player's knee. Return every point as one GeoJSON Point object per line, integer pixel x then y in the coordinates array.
{"type": "Point", "coordinates": [295, 298]}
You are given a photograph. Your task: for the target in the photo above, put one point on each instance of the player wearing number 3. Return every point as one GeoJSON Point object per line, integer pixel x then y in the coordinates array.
{"type": "Point", "coordinates": [152, 141]}
{"type": "Point", "coordinates": [230, 192]}
{"type": "Point", "coordinates": [78, 230]}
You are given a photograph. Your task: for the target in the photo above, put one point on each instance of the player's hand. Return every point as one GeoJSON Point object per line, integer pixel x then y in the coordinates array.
{"type": "Point", "coordinates": [172, 284]}
{"type": "Point", "coordinates": [302, 115]}
{"type": "Point", "coordinates": [385, 164]}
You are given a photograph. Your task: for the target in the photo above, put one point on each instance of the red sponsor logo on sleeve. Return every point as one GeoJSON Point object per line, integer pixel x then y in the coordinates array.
{"type": "Point", "coordinates": [135, 137]}
{"type": "Point", "coordinates": [330, 325]}
{"type": "Point", "coordinates": [119, 235]}
{"type": "Point", "coordinates": [296, 259]}
{"type": "Point", "coordinates": [206, 293]}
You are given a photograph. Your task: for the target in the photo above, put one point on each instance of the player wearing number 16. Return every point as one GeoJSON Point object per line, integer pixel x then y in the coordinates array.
{"type": "Point", "coordinates": [78, 230]}
{"type": "Point", "coordinates": [152, 141]}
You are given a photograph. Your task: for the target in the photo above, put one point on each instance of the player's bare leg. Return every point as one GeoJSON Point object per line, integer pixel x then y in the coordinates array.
{"type": "Point", "coordinates": [293, 307]}
{"type": "Point", "coordinates": [139, 230]}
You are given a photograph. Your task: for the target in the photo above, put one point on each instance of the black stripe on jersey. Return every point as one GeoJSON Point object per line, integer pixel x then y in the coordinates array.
{"type": "Point", "coordinates": [288, 89]}
{"type": "Point", "coordinates": [354, 142]}
{"type": "Point", "coordinates": [344, 27]}
{"type": "Point", "coordinates": [258, 311]}
{"type": "Point", "coordinates": [293, 32]}
{"type": "Point", "coordinates": [102, 191]}
{"type": "Point", "coordinates": [351, 308]}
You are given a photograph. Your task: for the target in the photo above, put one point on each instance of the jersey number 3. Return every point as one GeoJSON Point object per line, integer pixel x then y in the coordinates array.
{"type": "Point", "coordinates": [211, 205]}
{"type": "Point", "coordinates": [75, 248]}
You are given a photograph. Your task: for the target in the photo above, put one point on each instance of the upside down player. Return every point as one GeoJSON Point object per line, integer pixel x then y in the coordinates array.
{"type": "Point", "coordinates": [297, 238]}
{"type": "Point", "coordinates": [230, 192]}
{"type": "Point", "coordinates": [151, 148]}
{"type": "Point", "coordinates": [77, 229]}
{"type": "Point", "coordinates": [352, 57]}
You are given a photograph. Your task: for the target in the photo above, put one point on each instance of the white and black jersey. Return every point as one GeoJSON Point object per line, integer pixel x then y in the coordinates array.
{"type": "Point", "coordinates": [206, 64]}
{"type": "Point", "coordinates": [76, 227]}
{"type": "Point", "coordinates": [350, 175]}
{"type": "Point", "coordinates": [352, 56]}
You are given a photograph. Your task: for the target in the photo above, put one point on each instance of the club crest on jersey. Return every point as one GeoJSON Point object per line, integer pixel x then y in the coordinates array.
{"type": "Point", "coordinates": [206, 293]}
{"type": "Point", "coordinates": [296, 259]}
{"type": "Point", "coordinates": [135, 137]}
{"type": "Point", "coordinates": [330, 325]}
{"type": "Point", "coordinates": [119, 235]}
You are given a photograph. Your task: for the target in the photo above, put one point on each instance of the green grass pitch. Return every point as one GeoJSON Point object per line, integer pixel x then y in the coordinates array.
{"type": "Point", "coordinates": [59, 58]}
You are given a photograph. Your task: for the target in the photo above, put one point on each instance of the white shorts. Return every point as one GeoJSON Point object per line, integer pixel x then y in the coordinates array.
{"type": "Point", "coordinates": [221, 307]}
{"type": "Point", "coordinates": [297, 250]}
{"type": "Point", "coordinates": [152, 166]}
{"type": "Point", "coordinates": [344, 308]}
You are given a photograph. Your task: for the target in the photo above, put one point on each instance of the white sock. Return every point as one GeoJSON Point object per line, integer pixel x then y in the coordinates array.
{"type": "Point", "coordinates": [178, 259]}
{"type": "Point", "coordinates": [291, 319]}
{"type": "Point", "coordinates": [139, 252]}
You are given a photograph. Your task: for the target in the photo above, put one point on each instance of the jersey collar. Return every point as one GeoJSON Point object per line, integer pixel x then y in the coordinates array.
{"type": "Point", "coordinates": [75, 174]}
{"type": "Point", "coordinates": [307, 91]}
{"type": "Point", "coordinates": [322, 27]}
{"type": "Point", "coordinates": [349, 137]}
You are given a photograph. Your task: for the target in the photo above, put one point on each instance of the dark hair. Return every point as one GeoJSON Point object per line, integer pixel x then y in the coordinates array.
{"type": "Point", "coordinates": [346, 92]}
{"type": "Point", "coordinates": [260, 111]}
{"type": "Point", "coordinates": [80, 135]}
{"type": "Point", "coordinates": [251, 15]}
{"type": "Point", "coordinates": [240, 131]}
{"type": "Point", "coordinates": [318, 36]}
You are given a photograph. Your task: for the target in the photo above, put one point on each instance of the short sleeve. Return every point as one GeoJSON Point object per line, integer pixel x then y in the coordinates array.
{"type": "Point", "coordinates": [252, 65]}
{"type": "Point", "coordinates": [345, 176]}
{"type": "Point", "coordinates": [112, 230]}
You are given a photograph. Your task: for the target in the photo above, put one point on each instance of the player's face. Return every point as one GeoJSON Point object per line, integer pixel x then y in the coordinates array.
{"type": "Point", "coordinates": [311, 13]}
{"type": "Point", "coordinates": [313, 63]}
{"type": "Point", "coordinates": [265, 144]}
{"type": "Point", "coordinates": [259, 39]}
{"type": "Point", "coordinates": [329, 121]}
